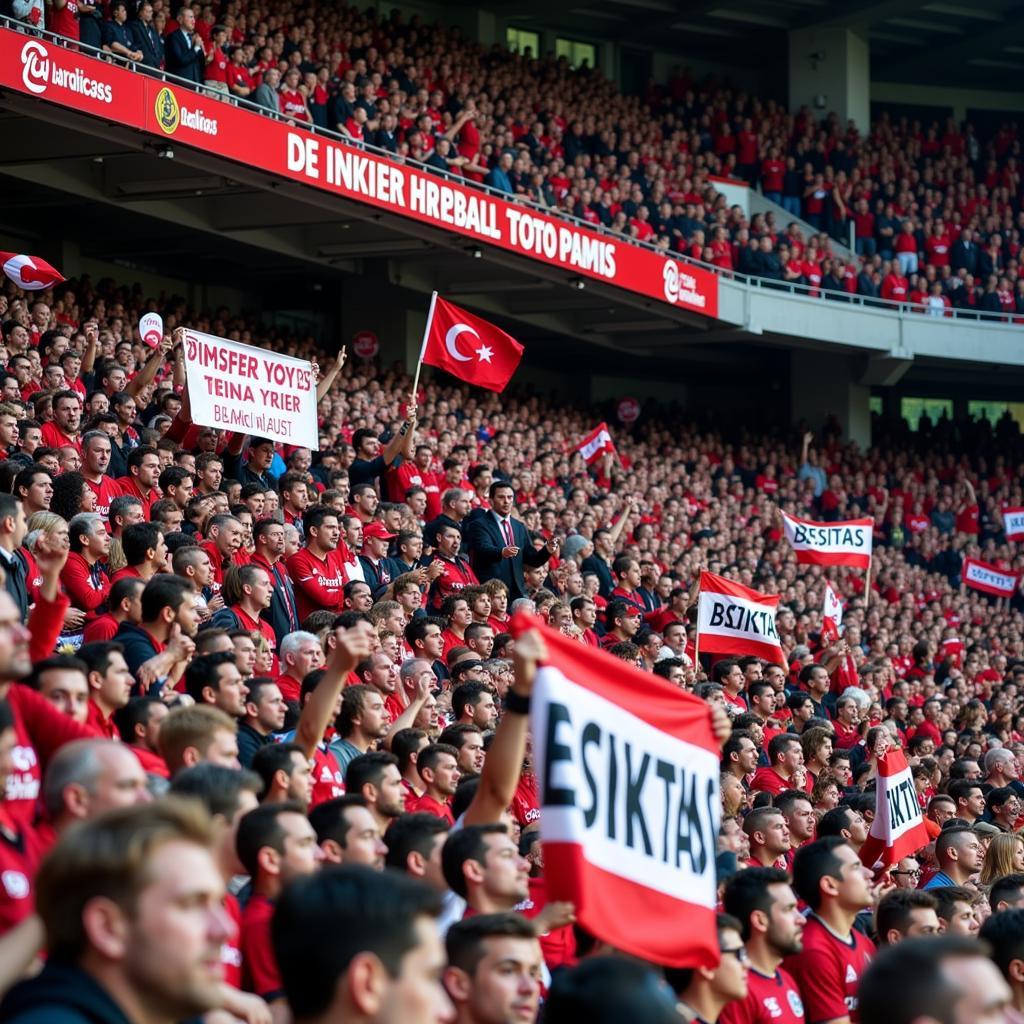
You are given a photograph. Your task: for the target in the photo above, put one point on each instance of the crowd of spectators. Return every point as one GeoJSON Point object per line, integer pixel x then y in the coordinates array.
{"type": "Point", "coordinates": [934, 210]}
{"type": "Point", "coordinates": [316, 648]}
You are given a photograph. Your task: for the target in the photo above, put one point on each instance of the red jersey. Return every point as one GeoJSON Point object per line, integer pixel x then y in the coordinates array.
{"type": "Point", "coordinates": [64, 21]}
{"type": "Point", "coordinates": [20, 853]}
{"type": "Point", "coordinates": [828, 971]}
{"type": "Point", "coordinates": [104, 492]}
{"type": "Point", "coordinates": [262, 627]}
{"type": "Point", "coordinates": [86, 585]}
{"type": "Point", "coordinates": [456, 574]}
{"type": "Point", "coordinates": [428, 805]}
{"type": "Point", "coordinates": [259, 965]}
{"type": "Point", "coordinates": [328, 779]}
{"type": "Point", "coordinates": [769, 998]}
{"type": "Point", "coordinates": [290, 687]}
{"type": "Point", "coordinates": [103, 725]}
{"type": "Point", "coordinates": [129, 485]}
{"type": "Point", "coordinates": [54, 437]}
{"type": "Point", "coordinates": [768, 780]}
{"type": "Point", "coordinates": [318, 582]}
{"type": "Point", "coordinates": [230, 953]}
{"type": "Point", "coordinates": [102, 628]}
{"type": "Point", "coordinates": [559, 944]}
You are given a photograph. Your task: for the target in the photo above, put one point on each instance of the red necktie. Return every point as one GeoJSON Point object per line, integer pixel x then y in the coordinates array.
{"type": "Point", "coordinates": [508, 532]}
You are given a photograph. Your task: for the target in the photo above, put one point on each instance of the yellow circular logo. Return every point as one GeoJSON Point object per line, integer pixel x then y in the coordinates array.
{"type": "Point", "coordinates": [167, 115]}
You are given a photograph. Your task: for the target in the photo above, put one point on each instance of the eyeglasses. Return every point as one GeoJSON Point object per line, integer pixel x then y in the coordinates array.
{"type": "Point", "coordinates": [740, 952]}
{"type": "Point", "coordinates": [909, 874]}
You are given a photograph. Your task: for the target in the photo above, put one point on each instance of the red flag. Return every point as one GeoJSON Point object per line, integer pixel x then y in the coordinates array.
{"type": "Point", "coordinates": [30, 272]}
{"type": "Point", "coordinates": [627, 776]}
{"type": "Point", "coordinates": [832, 616]}
{"type": "Point", "coordinates": [898, 829]}
{"type": "Point", "coordinates": [597, 443]}
{"type": "Point", "coordinates": [469, 347]}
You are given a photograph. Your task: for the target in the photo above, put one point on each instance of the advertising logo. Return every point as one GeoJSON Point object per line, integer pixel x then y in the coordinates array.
{"type": "Point", "coordinates": [35, 66]}
{"type": "Point", "coordinates": [168, 115]}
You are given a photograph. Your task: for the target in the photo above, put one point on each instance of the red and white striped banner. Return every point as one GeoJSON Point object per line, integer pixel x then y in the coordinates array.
{"type": "Point", "coordinates": [629, 801]}
{"type": "Point", "coordinates": [898, 829]}
{"type": "Point", "coordinates": [1013, 523]}
{"type": "Point", "coordinates": [845, 543]}
{"type": "Point", "coordinates": [987, 578]}
{"type": "Point", "coordinates": [597, 443]}
{"type": "Point", "coordinates": [733, 619]}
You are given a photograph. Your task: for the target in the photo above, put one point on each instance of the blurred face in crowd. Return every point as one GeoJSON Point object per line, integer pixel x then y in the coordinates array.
{"type": "Point", "coordinates": [67, 690]}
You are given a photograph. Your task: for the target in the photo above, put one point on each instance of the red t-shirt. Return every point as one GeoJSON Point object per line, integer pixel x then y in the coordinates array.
{"type": "Point", "coordinates": [768, 780]}
{"type": "Point", "coordinates": [828, 971]}
{"type": "Point", "coordinates": [129, 485]}
{"type": "Point", "coordinates": [104, 492]}
{"type": "Point", "coordinates": [428, 805]}
{"type": "Point", "coordinates": [318, 582]}
{"type": "Point", "coordinates": [102, 628]}
{"type": "Point", "coordinates": [259, 965]}
{"type": "Point", "coordinates": [54, 437]}
{"type": "Point", "coordinates": [328, 779]}
{"type": "Point", "coordinates": [264, 628]}
{"type": "Point", "coordinates": [20, 853]}
{"type": "Point", "coordinates": [230, 953]}
{"type": "Point", "coordinates": [770, 998]}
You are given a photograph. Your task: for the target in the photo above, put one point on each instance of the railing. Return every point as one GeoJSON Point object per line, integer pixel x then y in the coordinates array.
{"type": "Point", "coordinates": [900, 309]}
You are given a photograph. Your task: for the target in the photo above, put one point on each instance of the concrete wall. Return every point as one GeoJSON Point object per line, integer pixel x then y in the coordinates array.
{"type": "Point", "coordinates": [961, 100]}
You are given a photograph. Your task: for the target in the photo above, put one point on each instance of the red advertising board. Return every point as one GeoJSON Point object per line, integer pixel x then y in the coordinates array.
{"type": "Point", "coordinates": [52, 73]}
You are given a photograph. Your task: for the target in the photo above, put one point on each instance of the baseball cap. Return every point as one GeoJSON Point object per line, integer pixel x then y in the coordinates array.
{"type": "Point", "coordinates": [986, 828]}
{"type": "Point", "coordinates": [377, 529]}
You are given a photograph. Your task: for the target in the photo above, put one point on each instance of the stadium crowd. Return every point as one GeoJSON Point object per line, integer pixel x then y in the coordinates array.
{"type": "Point", "coordinates": [263, 722]}
{"type": "Point", "coordinates": [934, 210]}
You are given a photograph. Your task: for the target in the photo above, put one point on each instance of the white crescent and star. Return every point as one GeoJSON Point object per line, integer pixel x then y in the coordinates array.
{"type": "Point", "coordinates": [451, 339]}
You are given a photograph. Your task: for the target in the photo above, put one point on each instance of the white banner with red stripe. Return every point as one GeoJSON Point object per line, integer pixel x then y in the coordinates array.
{"type": "Point", "coordinates": [1013, 523]}
{"type": "Point", "coordinates": [988, 579]}
{"type": "Point", "coordinates": [733, 619]}
{"type": "Point", "coordinates": [629, 802]}
{"type": "Point", "coordinates": [898, 829]}
{"type": "Point", "coordinates": [845, 543]}
{"type": "Point", "coordinates": [597, 443]}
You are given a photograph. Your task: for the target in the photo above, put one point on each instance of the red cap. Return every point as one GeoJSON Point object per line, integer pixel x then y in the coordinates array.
{"type": "Point", "coordinates": [377, 529]}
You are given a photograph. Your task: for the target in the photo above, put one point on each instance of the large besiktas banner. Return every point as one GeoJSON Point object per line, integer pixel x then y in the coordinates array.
{"type": "Point", "coordinates": [627, 772]}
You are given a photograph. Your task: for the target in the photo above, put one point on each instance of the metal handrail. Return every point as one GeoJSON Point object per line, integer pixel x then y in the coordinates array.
{"type": "Point", "coordinates": [900, 309]}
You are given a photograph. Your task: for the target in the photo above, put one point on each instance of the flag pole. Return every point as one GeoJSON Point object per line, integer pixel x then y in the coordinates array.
{"type": "Point", "coordinates": [867, 582]}
{"type": "Point", "coordinates": [696, 635]}
{"type": "Point", "coordinates": [423, 347]}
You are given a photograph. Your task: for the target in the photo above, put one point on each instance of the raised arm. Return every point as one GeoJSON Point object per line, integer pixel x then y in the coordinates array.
{"type": "Point", "coordinates": [504, 763]}
{"type": "Point", "coordinates": [330, 376]}
{"type": "Point", "coordinates": [351, 646]}
{"type": "Point", "coordinates": [147, 374]}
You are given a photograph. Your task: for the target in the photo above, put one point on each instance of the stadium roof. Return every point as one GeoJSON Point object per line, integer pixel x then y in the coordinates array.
{"type": "Point", "coordinates": [929, 42]}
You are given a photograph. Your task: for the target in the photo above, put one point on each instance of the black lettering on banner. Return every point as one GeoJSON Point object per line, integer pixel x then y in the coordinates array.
{"type": "Point", "coordinates": [680, 815]}
{"type": "Point", "coordinates": [591, 735]}
{"type": "Point", "coordinates": [717, 613]}
{"type": "Point", "coordinates": [634, 810]}
{"type": "Point", "coordinates": [667, 773]}
{"type": "Point", "coordinates": [556, 796]}
{"type": "Point", "coordinates": [799, 534]}
{"type": "Point", "coordinates": [613, 783]}
{"type": "Point", "coordinates": [743, 620]}
{"type": "Point", "coordinates": [903, 806]}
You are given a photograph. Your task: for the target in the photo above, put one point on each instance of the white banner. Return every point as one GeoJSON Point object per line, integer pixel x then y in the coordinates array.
{"type": "Point", "coordinates": [1013, 523]}
{"type": "Point", "coordinates": [151, 329]}
{"type": "Point", "coordinates": [251, 390]}
{"type": "Point", "coordinates": [733, 619]}
{"type": "Point", "coordinates": [833, 606]}
{"type": "Point", "coordinates": [844, 543]}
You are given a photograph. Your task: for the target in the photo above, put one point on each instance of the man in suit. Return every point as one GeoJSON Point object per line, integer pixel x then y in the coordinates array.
{"type": "Point", "coordinates": [146, 38]}
{"type": "Point", "coordinates": [186, 57]}
{"type": "Point", "coordinates": [964, 253]}
{"type": "Point", "coordinates": [500, 546]}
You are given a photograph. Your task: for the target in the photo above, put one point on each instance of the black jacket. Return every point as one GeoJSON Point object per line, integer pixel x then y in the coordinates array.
{"type": "Point", "coordinates": [183, 60]}
{"type": "Point", "coordinates": [60, 994]}
{"type": "Point", "coordinates": [147, 39]}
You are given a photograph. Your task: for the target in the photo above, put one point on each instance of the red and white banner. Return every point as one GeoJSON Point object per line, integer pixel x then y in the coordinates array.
{"type": "Point", "coordinates": [898, 829]}
{"type": "Point", "coordinates": [55, 74]}
{"type": "Point", "coordinates": [733, 619]}
{"type": "Point", "coordinates": [845, 543]}
{"type": "Point", "coordinates": [597, 443]}
{"type": "Point", "coordinates": [250, 390]}
{"type": "Point", "coordinates": [29, 273]}
{"type": "Point", "coordinates": [1013, 523]}
{"type": "Point", "coordinates": [629, 802]}
{"type": "Point", "coordinates": [987, 578]}
{"type": "Point", "coordinates": [832, 615]}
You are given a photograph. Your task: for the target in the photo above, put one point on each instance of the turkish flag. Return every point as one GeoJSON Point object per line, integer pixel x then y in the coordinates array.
{"type": "Point", "coordinates": [597, 443]}
{"type": "Point", "coordinates": [468, 347]}
{"type": "Point", "coordinates": [30, 272]}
